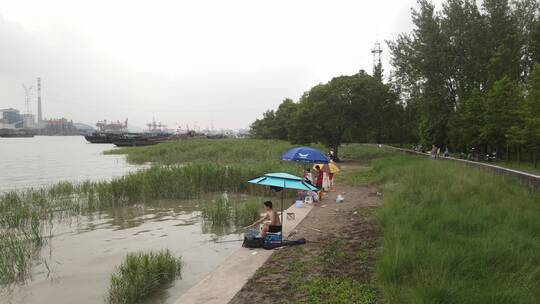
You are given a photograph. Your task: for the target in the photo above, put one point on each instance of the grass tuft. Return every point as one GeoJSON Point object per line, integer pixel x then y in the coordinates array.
{"type": "Point", "coordinates": [141, 274]}
{"type": "Point", "coordinates": [237, 213]}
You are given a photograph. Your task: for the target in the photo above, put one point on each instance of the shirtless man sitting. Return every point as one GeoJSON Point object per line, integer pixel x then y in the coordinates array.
{"type": "Point", "coordinates": [271, 220]}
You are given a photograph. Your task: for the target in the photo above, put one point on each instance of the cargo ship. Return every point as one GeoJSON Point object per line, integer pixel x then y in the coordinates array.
{"type": "Point", "coordinates": [141, 140]}
{"type": "Point", "coordinates": [155, 134]}
{"type": "Point", "coordinates": [108, 132]}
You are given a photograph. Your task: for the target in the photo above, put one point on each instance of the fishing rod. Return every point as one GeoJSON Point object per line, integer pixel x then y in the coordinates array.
{"type": "Point", "coordinates": [229, 241]}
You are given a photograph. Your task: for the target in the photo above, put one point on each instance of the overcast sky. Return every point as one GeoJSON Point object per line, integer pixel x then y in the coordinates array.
{"type": "Point", "coordinates": [185, 62]}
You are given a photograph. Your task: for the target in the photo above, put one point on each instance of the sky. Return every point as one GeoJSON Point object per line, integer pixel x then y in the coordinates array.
{"type": "Point", "coordinates": [198, 63]}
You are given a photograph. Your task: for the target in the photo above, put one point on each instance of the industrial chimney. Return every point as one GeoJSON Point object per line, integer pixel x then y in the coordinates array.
{"type": "Point", "coordinates": [40, 117]}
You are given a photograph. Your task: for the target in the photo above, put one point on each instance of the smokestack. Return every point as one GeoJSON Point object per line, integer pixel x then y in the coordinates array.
{"type": "Point", "coordinates": [40, 117]}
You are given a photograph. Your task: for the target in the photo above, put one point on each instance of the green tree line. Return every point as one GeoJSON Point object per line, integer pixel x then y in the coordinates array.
{"type": "Point", "coordinates": [467, 76]}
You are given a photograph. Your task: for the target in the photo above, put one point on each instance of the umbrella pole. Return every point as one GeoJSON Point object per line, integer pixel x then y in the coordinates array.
{"type": "Point", "coordinates": [282, 214]}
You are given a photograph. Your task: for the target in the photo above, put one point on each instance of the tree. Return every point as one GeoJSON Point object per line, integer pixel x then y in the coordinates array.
{"type": "Point", "coordinates": [503, 41]}
{"type": "Point", "coordinates": [284, 118]}
{"type": "Point", "coordinates": [531, 113]}
{"type": "Point", "coordinates": [264, 128]}
{"type": "Point", "coordinates": [535, 42]}
{"type": "Point", "coordinates": [275, 125]}
{"type": "Point", "coordinates": [378, 71]}
{"type": "Point", "coordinates": [425, 71]}
{"type": "Point", "coordinates": [467, 122]}
{"type": "Point", "coordinates": [357, 106]}
{"type": "Point", "coordinates": [502, 102]}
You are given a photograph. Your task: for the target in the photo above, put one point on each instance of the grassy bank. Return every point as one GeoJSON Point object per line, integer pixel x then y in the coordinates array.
{"type": "Point", "coordinates": [141, 274]}
{"type": "Point", "coordinates": [453, 234]}
{"type": "Point", "coordinates": [223, 151]}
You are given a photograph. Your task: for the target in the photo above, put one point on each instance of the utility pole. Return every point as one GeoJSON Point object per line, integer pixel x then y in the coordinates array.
{"type": "Point", "coordinates": [40, 115]}
{"type": "Point", "coordinates": [377, 64]}
{"type": "Point", "coordinates": [28, 121]}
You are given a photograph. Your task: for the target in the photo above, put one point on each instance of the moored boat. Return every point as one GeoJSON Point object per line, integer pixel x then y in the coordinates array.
{"type": "Point", "coordinates": [141, 140]}
{"type": "Point", "coordinates": [17, 133]}
{"type": "Point", "coordinates": [107, 132]}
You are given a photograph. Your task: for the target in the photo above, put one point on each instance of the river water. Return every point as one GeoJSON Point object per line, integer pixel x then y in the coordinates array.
{"type": "Point", "coordinates": [43, 160]}
{"type": "Point", "coordinates": [81, 252]}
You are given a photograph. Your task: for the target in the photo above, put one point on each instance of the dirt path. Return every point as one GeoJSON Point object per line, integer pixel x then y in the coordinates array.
{"type": "Point", "coordinates": [337, 263]}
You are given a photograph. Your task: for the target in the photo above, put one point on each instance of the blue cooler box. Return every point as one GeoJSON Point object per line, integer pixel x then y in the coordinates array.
{"type": "Point", "coordinates": [272, 239]}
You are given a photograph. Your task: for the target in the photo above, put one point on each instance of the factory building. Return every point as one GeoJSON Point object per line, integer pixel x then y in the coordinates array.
{"type": "Point", "coordinates": [11, 119]}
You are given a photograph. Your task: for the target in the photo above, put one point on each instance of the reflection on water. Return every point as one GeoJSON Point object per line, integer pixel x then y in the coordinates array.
{"type": "Point", "coordinates": [76, 263]}
{"type": "Point", "coordinates": [44, 160]}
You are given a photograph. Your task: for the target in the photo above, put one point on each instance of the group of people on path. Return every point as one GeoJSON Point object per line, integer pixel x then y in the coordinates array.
{"type": "Point", "coordinates": [320, 179]}
{"type": "Point", "coordinates": [434, 152]}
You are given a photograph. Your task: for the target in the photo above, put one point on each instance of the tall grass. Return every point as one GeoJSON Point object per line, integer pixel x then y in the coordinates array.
{"type": "Point", "coordinates": [237, 213]}
{"type": "Point", "coordinates": [24, 214]}
{"type": "Point", "coordinates": [453, 234]}
{"type": "Point", "coordinates": [364, 152]}
{"type": "Point", "coordinates": [141, 274]}
{"type": "Point", "coordinates": [223, 151]}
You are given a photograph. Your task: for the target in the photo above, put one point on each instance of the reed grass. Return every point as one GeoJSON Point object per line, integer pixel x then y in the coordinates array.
{"type": "Point", "coordinates": [245, 213]}
{"type": "Point", "coordinates": [141, 274]}
{"type": "Point", "coordinates": [217, 212]}
{"type": "Point", "coordinates": [231, 213]}
{"type": "Point", "coordinates": [26, 212]}
{"type": "Point", "coordinates": [223, 151]}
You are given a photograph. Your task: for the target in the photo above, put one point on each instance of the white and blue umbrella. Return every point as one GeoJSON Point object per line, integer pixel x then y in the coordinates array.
{"type": "Point", "coordinates": [305, 155]}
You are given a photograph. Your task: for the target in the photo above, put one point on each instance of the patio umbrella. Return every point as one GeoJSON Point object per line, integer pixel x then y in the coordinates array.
{"type": "Point", "coordinates": [280, 181]}
{"type": "Point", "coordinates": [305, 155]}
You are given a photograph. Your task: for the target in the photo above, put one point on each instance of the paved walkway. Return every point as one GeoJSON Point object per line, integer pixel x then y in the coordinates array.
{"type": "Point", "coordinates": [220, 286]}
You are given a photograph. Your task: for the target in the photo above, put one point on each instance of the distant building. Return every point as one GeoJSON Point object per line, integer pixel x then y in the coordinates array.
{"type": "Point", "coordinates": [60, 126]}
{"type": "Point", "coordinates": [11, 119]}
{"type": "Point", "coordinates": [29, 121]}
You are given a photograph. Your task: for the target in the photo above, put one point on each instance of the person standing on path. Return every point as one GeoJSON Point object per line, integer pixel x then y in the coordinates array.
{"type": "Point", "coordinates": [309, 176]}
{"type": "Point", "coordinates": [319, 176]}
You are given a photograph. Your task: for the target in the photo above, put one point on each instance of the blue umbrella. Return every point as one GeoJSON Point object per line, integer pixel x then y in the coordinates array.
{"type": "Point", "coordinates": [282, 181]}
{"type": "Point", "coordinates": [305, 155]}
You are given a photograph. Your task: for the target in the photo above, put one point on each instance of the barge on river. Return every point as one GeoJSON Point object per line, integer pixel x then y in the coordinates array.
{"type": "Point", "coordinates": [108, 132]}
{"type": "Point", "coordinates": [17, 133]}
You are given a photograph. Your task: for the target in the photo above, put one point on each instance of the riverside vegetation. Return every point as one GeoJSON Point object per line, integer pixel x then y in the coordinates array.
{"type": "Point", "coordinates": [178, 173]}
{"type": "Point", "coordinates": [451, 233]}
{"type": "Point", "coordinates": [141, 274]}
{"type": "Point", "coordinates": [467, 76]}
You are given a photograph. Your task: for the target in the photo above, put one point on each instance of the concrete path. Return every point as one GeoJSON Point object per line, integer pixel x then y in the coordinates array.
{"type": "Point", "coordinates": [220, 286]}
